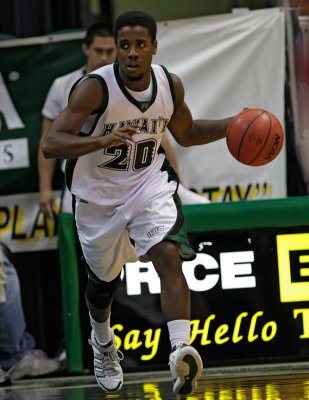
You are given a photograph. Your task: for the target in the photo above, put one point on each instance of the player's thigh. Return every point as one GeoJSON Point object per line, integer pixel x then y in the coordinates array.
{"type": "Point", "coordinates": [153, 222]}
{"type": "Point", "coordinates": [104, 240]}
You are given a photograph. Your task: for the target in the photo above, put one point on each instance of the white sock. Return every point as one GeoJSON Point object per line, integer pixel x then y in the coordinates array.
{"type": "Point", "coordinates": [102, 330]}
{"type": "Point", "coordinates": [179, 331]}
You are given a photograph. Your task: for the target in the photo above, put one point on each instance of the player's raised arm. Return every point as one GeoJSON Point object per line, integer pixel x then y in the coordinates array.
{"type": "Point", "coordinates": [188, 132]}
{"type": "Point", "coordinates": [62, 140]}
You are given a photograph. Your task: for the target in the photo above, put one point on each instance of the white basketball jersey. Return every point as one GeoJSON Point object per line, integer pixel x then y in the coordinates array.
{"type": "Point", "coordinates": [111, 176]}
{"type": "Point", "coordinates": [58, 94]}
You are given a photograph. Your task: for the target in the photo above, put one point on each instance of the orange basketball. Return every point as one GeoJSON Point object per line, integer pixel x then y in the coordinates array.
{"type": "Point", "coordinates": [255, 137]}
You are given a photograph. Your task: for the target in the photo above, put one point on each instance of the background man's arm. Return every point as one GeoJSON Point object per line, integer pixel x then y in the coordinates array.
{"type": "Point", "coordinates": [46, 169]}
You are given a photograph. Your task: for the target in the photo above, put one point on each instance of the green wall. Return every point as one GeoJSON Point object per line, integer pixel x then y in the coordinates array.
{"type": "Point", "coordinates": [241, 215]}
{"type": "Point", "coordinates": [164, 10]}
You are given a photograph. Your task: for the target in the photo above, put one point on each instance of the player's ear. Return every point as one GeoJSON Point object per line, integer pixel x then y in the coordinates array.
{"type": "Point", "coordinates": [85, 49]}
{"type": "Point", "coordinates": [155, 47]}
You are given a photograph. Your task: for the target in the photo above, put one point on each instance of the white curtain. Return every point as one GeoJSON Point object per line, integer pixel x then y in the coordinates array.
{"type": "Point", "coordinates": [228, 62]}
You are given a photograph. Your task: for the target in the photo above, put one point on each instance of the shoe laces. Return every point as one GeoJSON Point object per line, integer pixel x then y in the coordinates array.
{"type": "Point", "coordinates": [108, 356]}
{"type": "Point", "coordinates": [175, 348]}
{"type": "Point", "coordinates": [179, 346]}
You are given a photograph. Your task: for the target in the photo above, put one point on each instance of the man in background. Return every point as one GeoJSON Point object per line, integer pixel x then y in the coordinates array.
{"type": "Point", "coordinates": [99, 49]}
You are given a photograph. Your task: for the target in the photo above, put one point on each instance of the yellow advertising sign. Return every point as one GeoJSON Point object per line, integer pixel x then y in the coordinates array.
{"type": "Point", "coordinates": [291, 290]}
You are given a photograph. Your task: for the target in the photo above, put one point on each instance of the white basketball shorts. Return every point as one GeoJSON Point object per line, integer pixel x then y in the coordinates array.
{"type": "Point", "coordinates": [113, 236]}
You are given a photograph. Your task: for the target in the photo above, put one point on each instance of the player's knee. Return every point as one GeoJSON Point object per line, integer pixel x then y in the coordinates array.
{"type": "Point", "coordinates": [165, 250]}
{"type": "Point", "coordinates": [100, 294]}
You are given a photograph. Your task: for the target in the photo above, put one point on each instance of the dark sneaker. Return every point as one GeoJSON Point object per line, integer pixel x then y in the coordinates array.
{"type": "Point", "coordinates": [107, 369]}
{"type": "Point", "coordinates": [34, 363]}
{"type": "Point", "coordinates": [186, 367]}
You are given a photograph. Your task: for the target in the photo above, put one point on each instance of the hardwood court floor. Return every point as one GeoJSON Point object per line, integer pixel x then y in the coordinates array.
{"type": "Point", "coordinates": [264, 382]}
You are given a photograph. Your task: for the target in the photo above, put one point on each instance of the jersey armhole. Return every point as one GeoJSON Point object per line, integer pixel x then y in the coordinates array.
{"type": "Point", "coordinates": [171, 85]}
{"type": "Point", "coordinates": [104, 104]}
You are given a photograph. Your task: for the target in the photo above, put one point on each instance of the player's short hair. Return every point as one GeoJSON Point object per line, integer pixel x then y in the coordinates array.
{"type": "Point", "coordinates": [136, 18]}
{"type": "Point", "coordinates": [102, 28]}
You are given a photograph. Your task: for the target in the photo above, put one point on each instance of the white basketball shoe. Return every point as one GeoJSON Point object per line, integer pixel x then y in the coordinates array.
{"type": "Point", "coordinates": [107, 369]}
{"type": "Point", "coordinates": [186, 367]}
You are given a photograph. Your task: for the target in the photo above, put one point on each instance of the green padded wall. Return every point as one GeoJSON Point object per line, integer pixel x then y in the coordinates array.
{"type": "Point", "coordinates": [164, 10]}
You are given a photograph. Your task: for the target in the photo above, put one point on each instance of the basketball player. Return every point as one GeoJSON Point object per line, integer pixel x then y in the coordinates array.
{"type": "Point", "coordinates": [100, 49]}
{"type": "Point", "coordinates": [125, 191]}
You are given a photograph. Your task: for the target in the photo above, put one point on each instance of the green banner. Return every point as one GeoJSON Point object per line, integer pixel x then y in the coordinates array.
{"type": "Point", "coordinates": [27, 69]}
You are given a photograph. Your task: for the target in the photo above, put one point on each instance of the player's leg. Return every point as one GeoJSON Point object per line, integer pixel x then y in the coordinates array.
{"type": "Point", "coordinates": [159, 233]}
{"type": "Point", "coordinates": [107, 369]}
{"type": "Point", "coordinates": [175, 294]}
{"type": "Point", "coordinates": [106, 247]}
{"type": "Point", "coordinates": [185, 362]}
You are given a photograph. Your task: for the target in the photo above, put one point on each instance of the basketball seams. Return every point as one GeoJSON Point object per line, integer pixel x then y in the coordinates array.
{"type": "Point", "coordinates": [233, 121]}
{"type": "Point", "coordinates": [267, 137]}
{"type": "Point", "coordinates": [246, 131]}
{"type": "Point", "coordinates": [282, 140]}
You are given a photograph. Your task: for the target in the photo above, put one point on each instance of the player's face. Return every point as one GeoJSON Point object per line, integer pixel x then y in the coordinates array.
{"type": "Point", "coordinates": [102, 51]}
{"type": "Point", "coordinates": [135, 50]}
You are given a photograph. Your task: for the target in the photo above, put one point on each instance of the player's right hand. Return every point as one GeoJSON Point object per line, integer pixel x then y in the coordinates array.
{"type": "Point", "coordinates": [121, 136]}
{"type": "Point", "coordinates": [47, 203]}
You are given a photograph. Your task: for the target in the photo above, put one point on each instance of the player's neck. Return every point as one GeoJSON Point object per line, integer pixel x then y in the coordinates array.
{"type": "Point", "coordinates": [137, 84]}
{"type": "Point", "coordinates": [141, 95]}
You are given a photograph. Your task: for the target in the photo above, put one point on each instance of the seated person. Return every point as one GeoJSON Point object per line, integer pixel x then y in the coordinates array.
{"type": "Point", "coordinates": [18, 356]}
